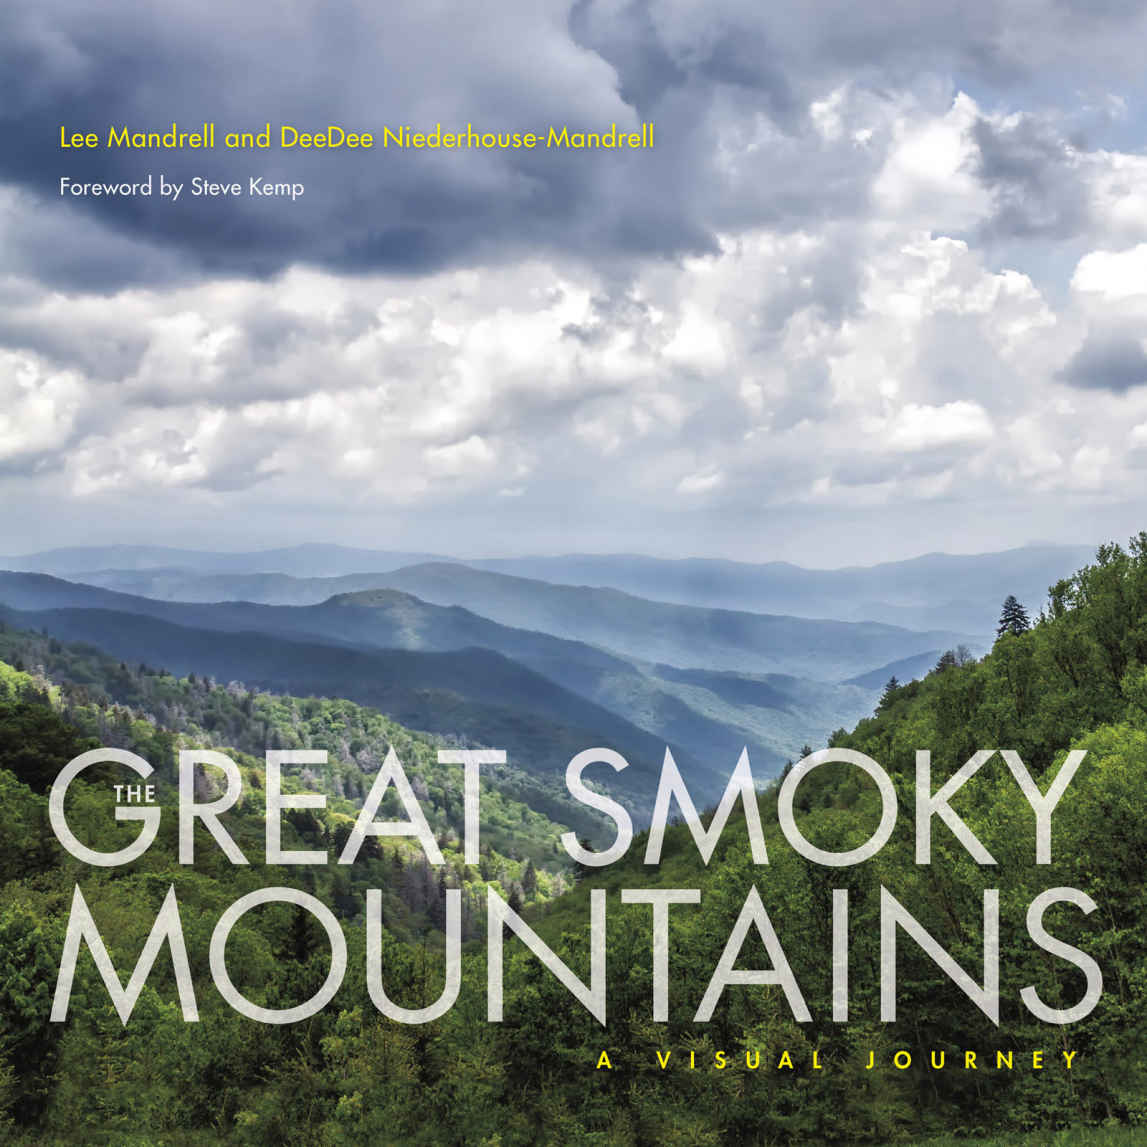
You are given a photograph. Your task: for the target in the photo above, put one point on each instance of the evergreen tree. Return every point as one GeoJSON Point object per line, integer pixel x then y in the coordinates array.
{"type": "Point", "coordinates": [302, 940]}
{"type": "Point", "coordinates": [889, 693]}
{"type": "Point", "coordinates": [1013, 618]}
{"type": "Point", "coordinates": [529, 880]}
{"type": "Point", "coordinates": [437, 907]}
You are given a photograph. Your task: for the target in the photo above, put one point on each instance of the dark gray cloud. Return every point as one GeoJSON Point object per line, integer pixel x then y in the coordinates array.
{"type": "Point", "coordinates": [1035, 182]}
{"type": "Point", "coordinates": [1108, 360]}
{"type": "Point", "coordinates": [993, 45]}
{"type": "Point", "coordinates": [67, 65]}
{"type": "Point", "coordinates": [713, 77]}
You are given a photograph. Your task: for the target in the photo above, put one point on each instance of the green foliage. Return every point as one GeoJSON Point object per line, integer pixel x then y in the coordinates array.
{"type": "Point", "coordinates": [1077, 678]}
{"type": "Point", "coordinates": [1013, 618]}
{"type": "Point", "coordinates": [154, 713]}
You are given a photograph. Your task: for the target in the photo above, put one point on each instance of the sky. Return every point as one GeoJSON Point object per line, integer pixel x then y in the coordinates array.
{"type": "Point", "coordinates": [878, 289]}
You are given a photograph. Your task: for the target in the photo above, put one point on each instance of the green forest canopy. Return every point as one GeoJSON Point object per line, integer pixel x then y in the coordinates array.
{"type": "Point", "coordinates": [1076, 679]}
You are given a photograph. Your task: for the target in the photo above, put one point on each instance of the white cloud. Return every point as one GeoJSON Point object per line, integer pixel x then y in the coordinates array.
{"type": "Point", "coordinates": [929, 173]}
{"type": "Point", "coordinates": [457, 459]}
{"type": "Point", "coordinates": [38, 408]}
{"type": "Point", "coordinates": [701, 483]}
{"type": "Point", "coordinates": [728, 377]}
{"type": "Point", "coordinates": [915, 427]}
{"type": "Point", "coordinates": [1113, 275]}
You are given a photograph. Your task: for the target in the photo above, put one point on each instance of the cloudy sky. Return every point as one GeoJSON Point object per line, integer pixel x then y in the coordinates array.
{"type": "Point", "coordinates": [880, 287]}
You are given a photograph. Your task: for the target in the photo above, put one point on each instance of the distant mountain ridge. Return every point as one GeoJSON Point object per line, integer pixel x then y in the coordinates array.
{"type": "Point", "coordinates": [311, 559]}
{"type": "Point", "coordinates": [773, 715]}
{"type": "Point", "coordinates": [681, 635]}
{"type": "Point", "coordinates": [706, 680]}
{"type": "Point", "coordinates": [475, 694]}
{"type": "Point", "coordinates": [684, 636]}
{"type": "Point", "coordinates": [944, 591]}
{"type": "Point", "coordinates": [935, 591]}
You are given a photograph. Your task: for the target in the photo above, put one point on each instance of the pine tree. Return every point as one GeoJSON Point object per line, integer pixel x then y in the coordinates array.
{"type": "Point", "coordinates": [529, 880]}
{"type": "Point", "coordinates": [1013, 618]}
{"type": "Point", "coordinates": [889, 693]}
{"type": "Point", "coordinates": [947, 661]}
{"type": "Point", "coordinates": [437, 907]}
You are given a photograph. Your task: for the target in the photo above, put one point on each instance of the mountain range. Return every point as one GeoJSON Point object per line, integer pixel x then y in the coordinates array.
{"type": "Point", "coordinates": [706, 716]}
{"type": "Point", "coordinates": [538, 666]}
{"type": "Point", "coordinates": [683, 635]}
{"type": "Point", "coordinates": [935, 591]}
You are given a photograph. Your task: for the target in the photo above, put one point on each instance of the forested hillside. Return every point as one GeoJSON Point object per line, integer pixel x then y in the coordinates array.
{"type": "Point", "coordinates": [154, 713]}
{"type": "Point", "coordinates": [475, 694]}
{"type": "Point", "coordinates": [1076, 679]}
{"type": "Point", "coordinates": [451, 670]}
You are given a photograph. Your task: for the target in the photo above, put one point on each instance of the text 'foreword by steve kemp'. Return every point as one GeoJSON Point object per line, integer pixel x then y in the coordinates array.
{"type": "Point", "coordinates": [197, 187]}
